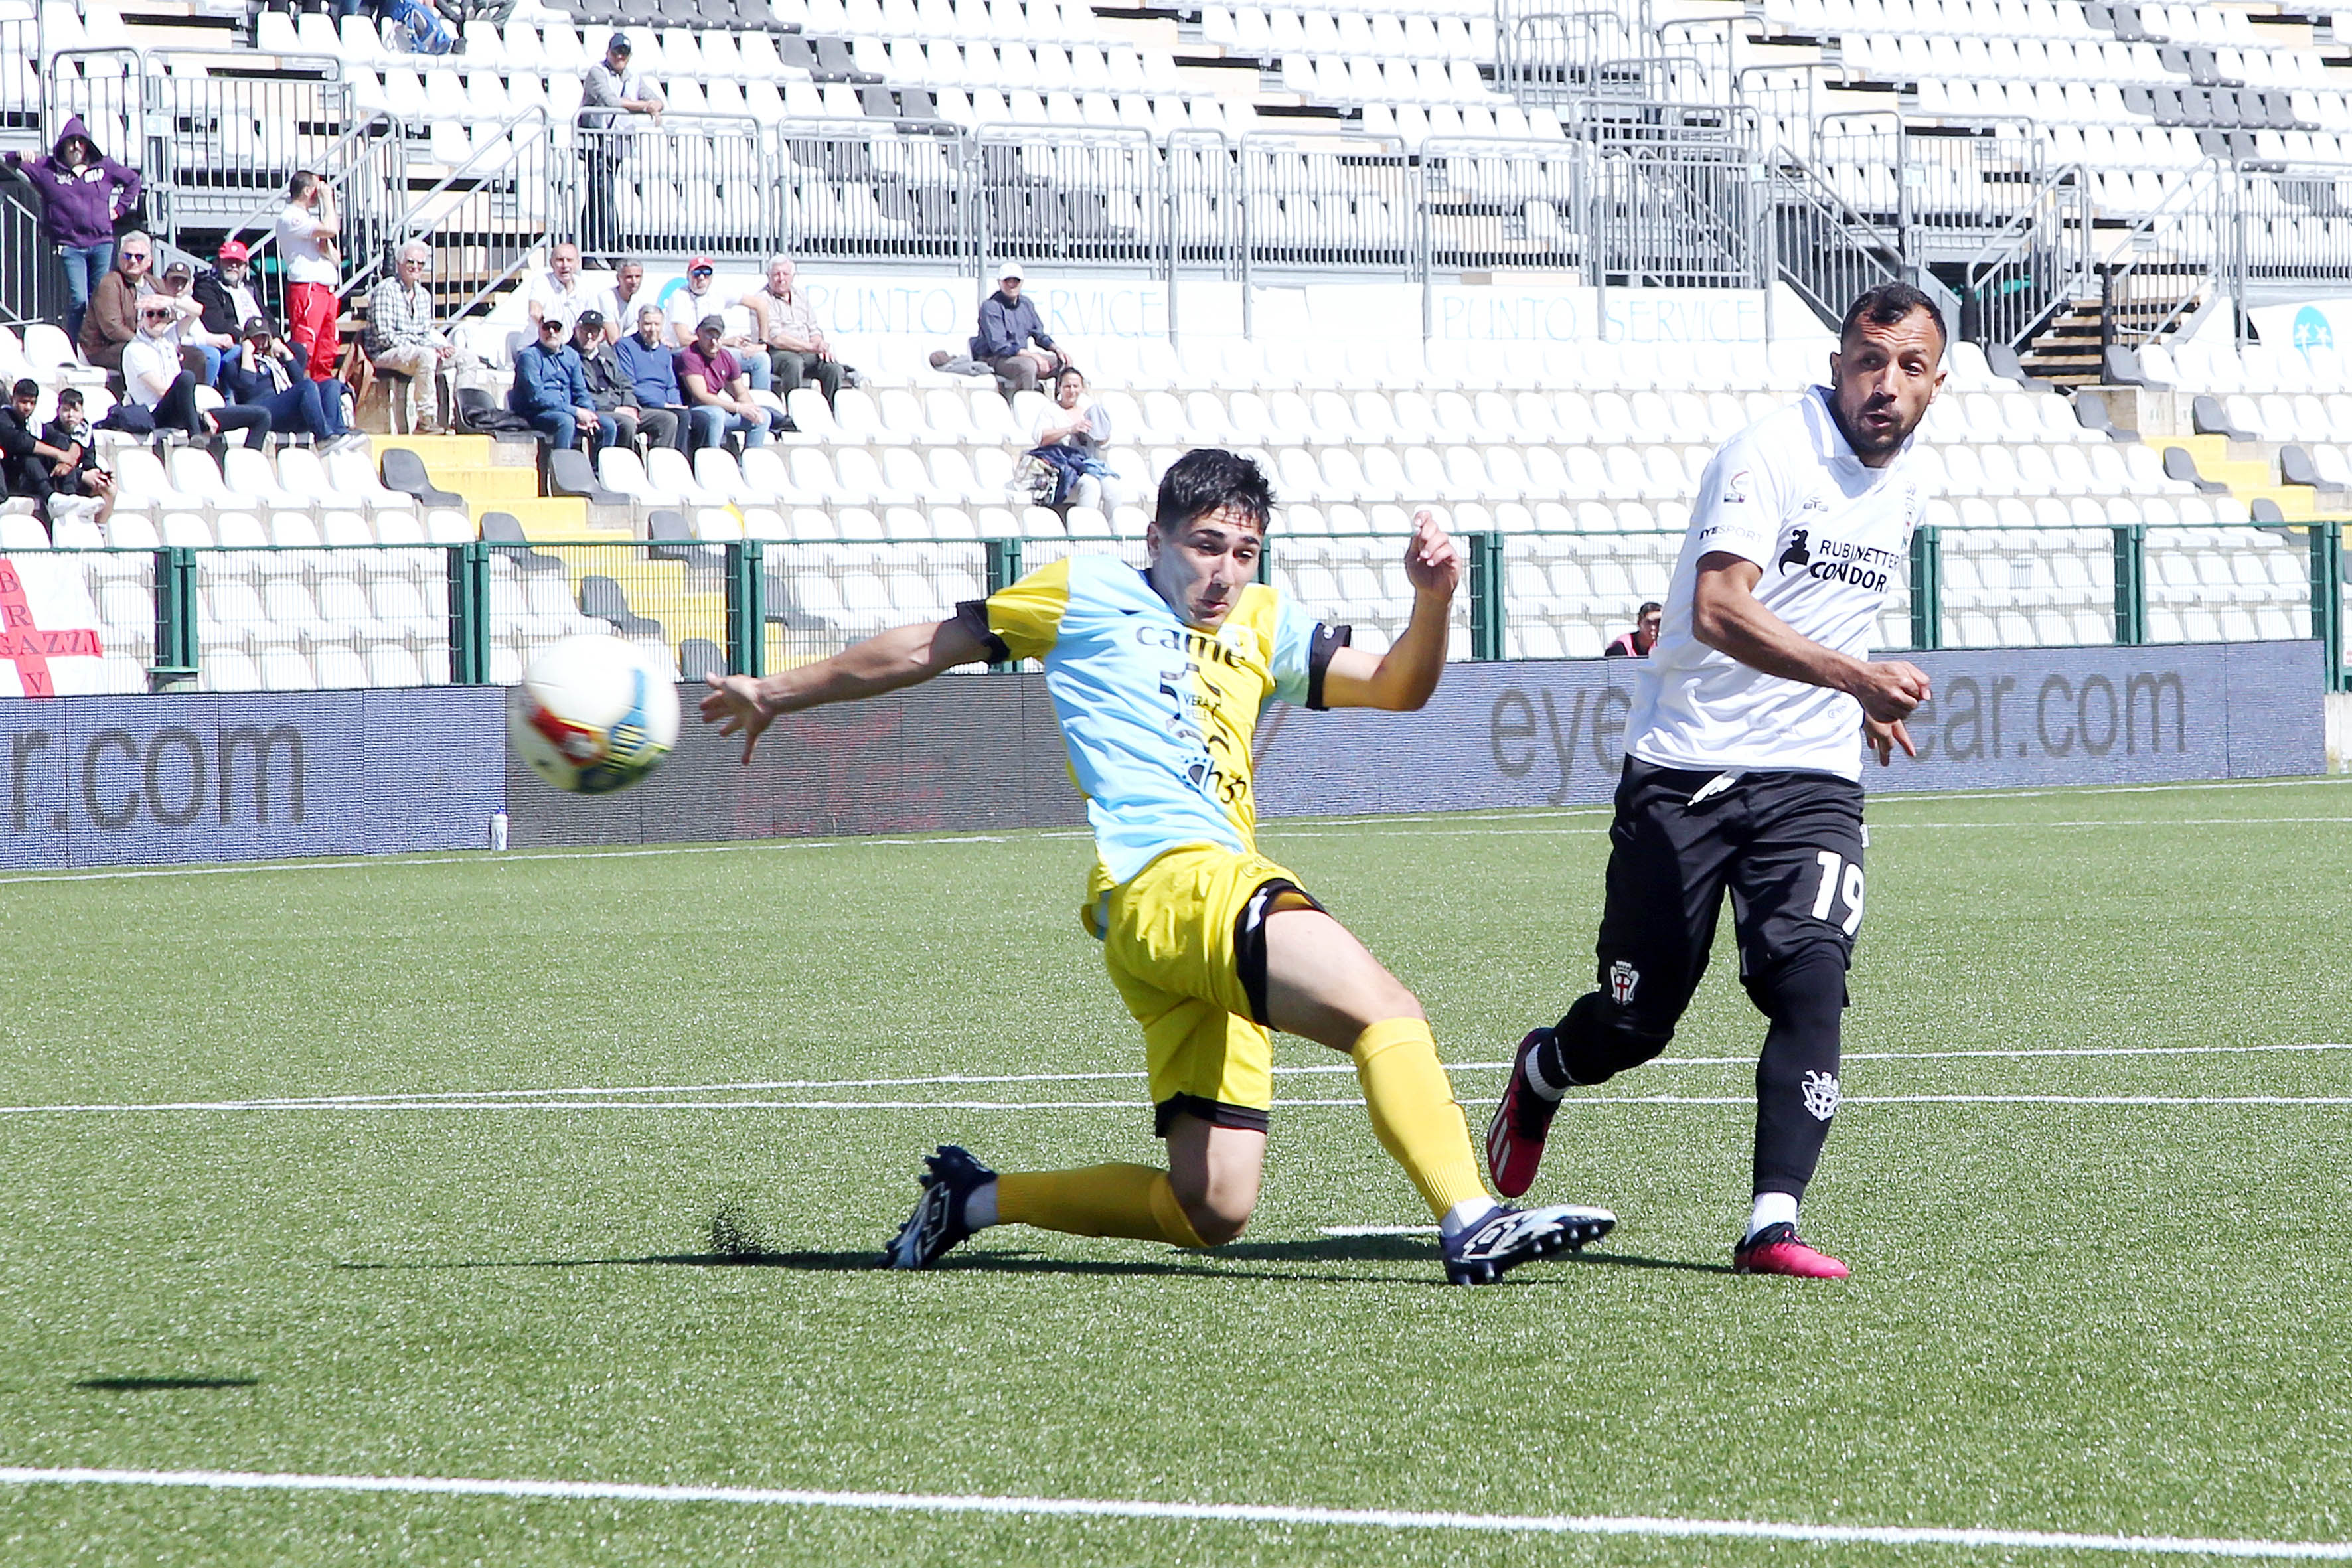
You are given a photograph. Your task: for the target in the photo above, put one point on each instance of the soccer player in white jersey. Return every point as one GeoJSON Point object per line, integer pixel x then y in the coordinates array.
{"type": "Point", "coordinates": [1743, 765]}
{"type": "Point", "coordinates": [1158, 678]}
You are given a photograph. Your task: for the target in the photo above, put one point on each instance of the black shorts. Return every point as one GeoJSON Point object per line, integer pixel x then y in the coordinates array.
{"type": "Point", "coordinates": [1787, 846]}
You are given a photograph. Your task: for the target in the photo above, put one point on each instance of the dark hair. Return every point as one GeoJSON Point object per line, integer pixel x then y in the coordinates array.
{"type": "Point", "coordinates": [1887, 304]}
{"type": "Point", "coordinates": [27, 387]}
{"type": "Point", "coordinates": [69, 398]}
{"type": "Point", "coordinates": [300, 185]}
{"type": "Point", "coordinates": [1647, 606]}
{"type": "Point", "coordinates": [1069, 370]}
{"type": "Point", "coordinates": [1204, 480]}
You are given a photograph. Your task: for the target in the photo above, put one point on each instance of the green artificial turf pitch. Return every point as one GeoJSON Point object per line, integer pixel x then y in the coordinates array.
{"type": "Point", "coordinates": [2066, 1317]}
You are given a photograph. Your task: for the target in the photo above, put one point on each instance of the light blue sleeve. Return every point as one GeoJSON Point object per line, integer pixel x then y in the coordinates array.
{"type": "Point", "coordinates": [1295, 653]}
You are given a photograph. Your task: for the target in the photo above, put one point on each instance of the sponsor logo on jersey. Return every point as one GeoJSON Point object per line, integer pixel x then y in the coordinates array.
{"type": "Point", "coordinates": [1623, 979]}
{"type": "Point", "coordinates": [1735, 489]}
{"type": "Point", "coordinates": [1863, 566]}
{"type": "Point", "coordinates": [1820, 1092]}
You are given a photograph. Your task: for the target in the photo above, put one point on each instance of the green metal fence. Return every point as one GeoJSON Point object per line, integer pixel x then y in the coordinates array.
{"type": "Point", "coordinates": [297, 618]}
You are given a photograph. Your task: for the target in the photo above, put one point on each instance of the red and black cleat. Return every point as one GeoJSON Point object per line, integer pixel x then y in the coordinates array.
{"type": "Point", "coordinates": [1778, 1249]}
{"type": "Point", "coordinates": [1514, 1139]}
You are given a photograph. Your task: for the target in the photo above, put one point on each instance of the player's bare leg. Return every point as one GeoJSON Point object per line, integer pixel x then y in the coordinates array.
{"type": "Point", "coordinates": [1214, 1173]}
{"type": "Point", "coordinates": [1323, 984]}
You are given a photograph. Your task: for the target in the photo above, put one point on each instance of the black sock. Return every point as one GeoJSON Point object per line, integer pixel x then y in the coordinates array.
{"type": "Point", "coordinates": [1797, 1076]}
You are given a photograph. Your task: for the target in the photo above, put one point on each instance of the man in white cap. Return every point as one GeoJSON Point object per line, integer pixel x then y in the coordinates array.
{"type": "Point", "coordinates": [1008, 325]}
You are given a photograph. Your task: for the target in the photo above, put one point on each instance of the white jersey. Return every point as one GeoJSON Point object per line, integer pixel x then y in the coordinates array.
{"type": "Point", "coordinates": [1832, 537]}
{"type": "Point", "coordinates": [300, 252]}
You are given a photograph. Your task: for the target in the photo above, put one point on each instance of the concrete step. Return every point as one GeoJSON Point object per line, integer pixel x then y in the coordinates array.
{"type": "Point", "coordinates": [438, 451]}
{"type": "Point", "coordinates": [542, 517]}
{"type": "Point", "coordinates": [488, 485]}
{"type": "Point", "coordinates": [2297, 503]}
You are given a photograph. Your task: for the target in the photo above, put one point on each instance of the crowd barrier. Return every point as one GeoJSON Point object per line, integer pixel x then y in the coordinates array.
{"type": "Point", "coordinates": [101, 781]}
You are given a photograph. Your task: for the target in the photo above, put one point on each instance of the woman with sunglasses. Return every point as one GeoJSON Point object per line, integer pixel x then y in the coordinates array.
{"type": "Point", "coordinates": [161, 395]}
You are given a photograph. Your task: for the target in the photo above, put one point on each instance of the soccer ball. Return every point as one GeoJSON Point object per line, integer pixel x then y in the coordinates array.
{"type": "Point", "coordinates": [593, 714]}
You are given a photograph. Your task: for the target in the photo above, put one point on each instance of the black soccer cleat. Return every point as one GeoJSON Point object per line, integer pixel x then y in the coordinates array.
{"type": "Point", "coordinates": [1514, 1139]}
{"type": "Point", "coordinates": [937, 1224]}
{"type": "Point", "coordinates": [1508, 1238]}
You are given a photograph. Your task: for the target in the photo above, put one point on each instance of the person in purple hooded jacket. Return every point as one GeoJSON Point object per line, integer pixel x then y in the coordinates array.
{"type": "Point", "coordinates": [83, 192]}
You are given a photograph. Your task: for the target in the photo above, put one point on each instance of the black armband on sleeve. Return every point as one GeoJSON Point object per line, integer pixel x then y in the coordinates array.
{"type": "Point", "coordinates": [972, 615]}
{"type": "Point", "coordinates": [1327, 641]}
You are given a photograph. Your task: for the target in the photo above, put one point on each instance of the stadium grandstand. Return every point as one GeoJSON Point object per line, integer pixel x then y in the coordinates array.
{"type": "Point", "coordinates": [1523, 263]}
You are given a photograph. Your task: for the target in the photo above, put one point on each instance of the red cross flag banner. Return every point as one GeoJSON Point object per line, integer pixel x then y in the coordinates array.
{"type": "Point", "coordinates": [48, 630]}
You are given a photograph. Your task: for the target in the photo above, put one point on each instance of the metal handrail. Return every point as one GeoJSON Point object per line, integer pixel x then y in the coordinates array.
{"type": "Point", "coordinates": [365, 129]}
{"type": "Point", "coordinates": [404, 228]}
{"type": "Point", "coordinates": [2068, 187]}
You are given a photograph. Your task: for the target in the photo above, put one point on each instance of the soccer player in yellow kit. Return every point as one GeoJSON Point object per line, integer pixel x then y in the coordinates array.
{"type": "Point", "coordinates": [1158, 678]}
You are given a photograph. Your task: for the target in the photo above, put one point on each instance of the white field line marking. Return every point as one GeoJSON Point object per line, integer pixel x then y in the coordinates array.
{"type": "Point", "coordinates": [1208, 1512]}
{"type": "Point", "coordinates": [492, 1103]}
{"type": "Point", "coordinates": [480, 857]}
{"type": "Point", "coordinates": [1274, 826]}
{"type": "Point", "coordinates": [1373, 832]}
{"type": "Point", "coordinates": [965, 1080]}
{"type": "Point", "coordinates": [1378, 1230]}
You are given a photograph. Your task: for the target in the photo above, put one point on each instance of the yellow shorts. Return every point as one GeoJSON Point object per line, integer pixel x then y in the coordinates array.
{"type": "Point", "coordinates": [1184, 942]}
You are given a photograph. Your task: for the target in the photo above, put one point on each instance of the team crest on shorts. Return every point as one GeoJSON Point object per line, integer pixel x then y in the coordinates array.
{"type": "Point", "coordinates": [1623, 978]}
{"type": "Point", "coordinates": [1821, 1091]}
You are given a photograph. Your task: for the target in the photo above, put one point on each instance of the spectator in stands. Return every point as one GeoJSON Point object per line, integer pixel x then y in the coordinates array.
{"type": "Point", "coordinates": [224, 290]}
{"type": "Point", "coordinates": [200, 349]}
{"type": "Point", "coordinates": [608, 97]}
{"type": "Point", "coordinates": [717, 391]}
{"type": "Point", "coordinates": [51, 468]}
{"type": "Point", "coordinates": [651, 366]}
{"type": "Point", "coordinates": [83, 193]}
{"type": "Point", "coordinates": [1637, 643]}
{"type": "Point", "coordinates": [261, 374]}
{"type": "Point", "coordinates": [162, 394]}
{"type": "Point", "coordinates": [1071, 435]}
{"type": "Point", "coordinates": [69, 433]}
{"type": "Point", "coordinates": [558, 294]}
{"type": "Point", "coordinates": [402, 340]}
{"type": "Point", "coordinates": [112, 319]}
{"type": "Point", "coordinates": [28, 465]}
{"type": "Point", "coordinates": [307, 230]}
{"type": "Point", "coordinates": [550, 390]}
{"type": "Point", "coordinates": [1008, 325]}
{"type": "Point", "coordinates": [618, 304]}
{"type": "Point", "coordinates": [701, 298]}
{"type": "Point", "coordinates": [614, 390]}
{"type": "Point", "coordinates": [796, 348]}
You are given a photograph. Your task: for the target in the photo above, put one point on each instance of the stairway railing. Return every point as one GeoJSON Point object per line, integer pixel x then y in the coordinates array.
{"type": "Point", "coordinates": [2172, 262]}
{"type": "Point", "coordinates": [2031, 270]}
{"type": "Point", "coordinates": [1823, 247]}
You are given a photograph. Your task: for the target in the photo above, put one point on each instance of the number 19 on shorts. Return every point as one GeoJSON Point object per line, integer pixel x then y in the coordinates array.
{"type": "Point", "coordinates": [1841, 882]}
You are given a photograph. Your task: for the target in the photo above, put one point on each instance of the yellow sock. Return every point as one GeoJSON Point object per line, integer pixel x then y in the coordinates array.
{"type": "Point", "coordinates": [1100, 1200]}
{"type": "Point", "coordinates": [1414, 1113]}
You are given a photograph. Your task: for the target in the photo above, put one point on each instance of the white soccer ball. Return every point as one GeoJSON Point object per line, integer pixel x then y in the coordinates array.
{"type": "Point", "coordinates": [593, 714]}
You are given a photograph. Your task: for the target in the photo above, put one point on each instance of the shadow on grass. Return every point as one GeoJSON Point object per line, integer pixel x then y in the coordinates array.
{"type": "Point", "coordinates": [1013, 1260]}
{"type": "Point", "coordinates": [141, 1384]}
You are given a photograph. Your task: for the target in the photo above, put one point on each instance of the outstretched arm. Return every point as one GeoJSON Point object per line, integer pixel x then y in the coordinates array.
{"type": "Point", "coordinates": [904, 656]}
{"type": "Point", "coordinates": [1726, 617]}
{"type": "Point", "coordinates": [1402, 679]}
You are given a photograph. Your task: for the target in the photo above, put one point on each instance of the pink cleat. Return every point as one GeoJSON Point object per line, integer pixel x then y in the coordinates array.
{"type": "Point", "coordinates": [1514, 1139]}
{"type": "Point", "coordinates": [1778, 1249]}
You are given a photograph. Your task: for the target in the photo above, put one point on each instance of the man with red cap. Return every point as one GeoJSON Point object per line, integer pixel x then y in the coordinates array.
{"type": "Point", "coordinates": [226, 291]}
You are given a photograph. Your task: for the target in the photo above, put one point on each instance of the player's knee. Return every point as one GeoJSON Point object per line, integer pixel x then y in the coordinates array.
{"type": "Point", "coordinates": [1804, 989]}
{"type": "Point", "coordinates": [1601, 1038]}
{"type": "Point", "coordinates": [1217, 1211]}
